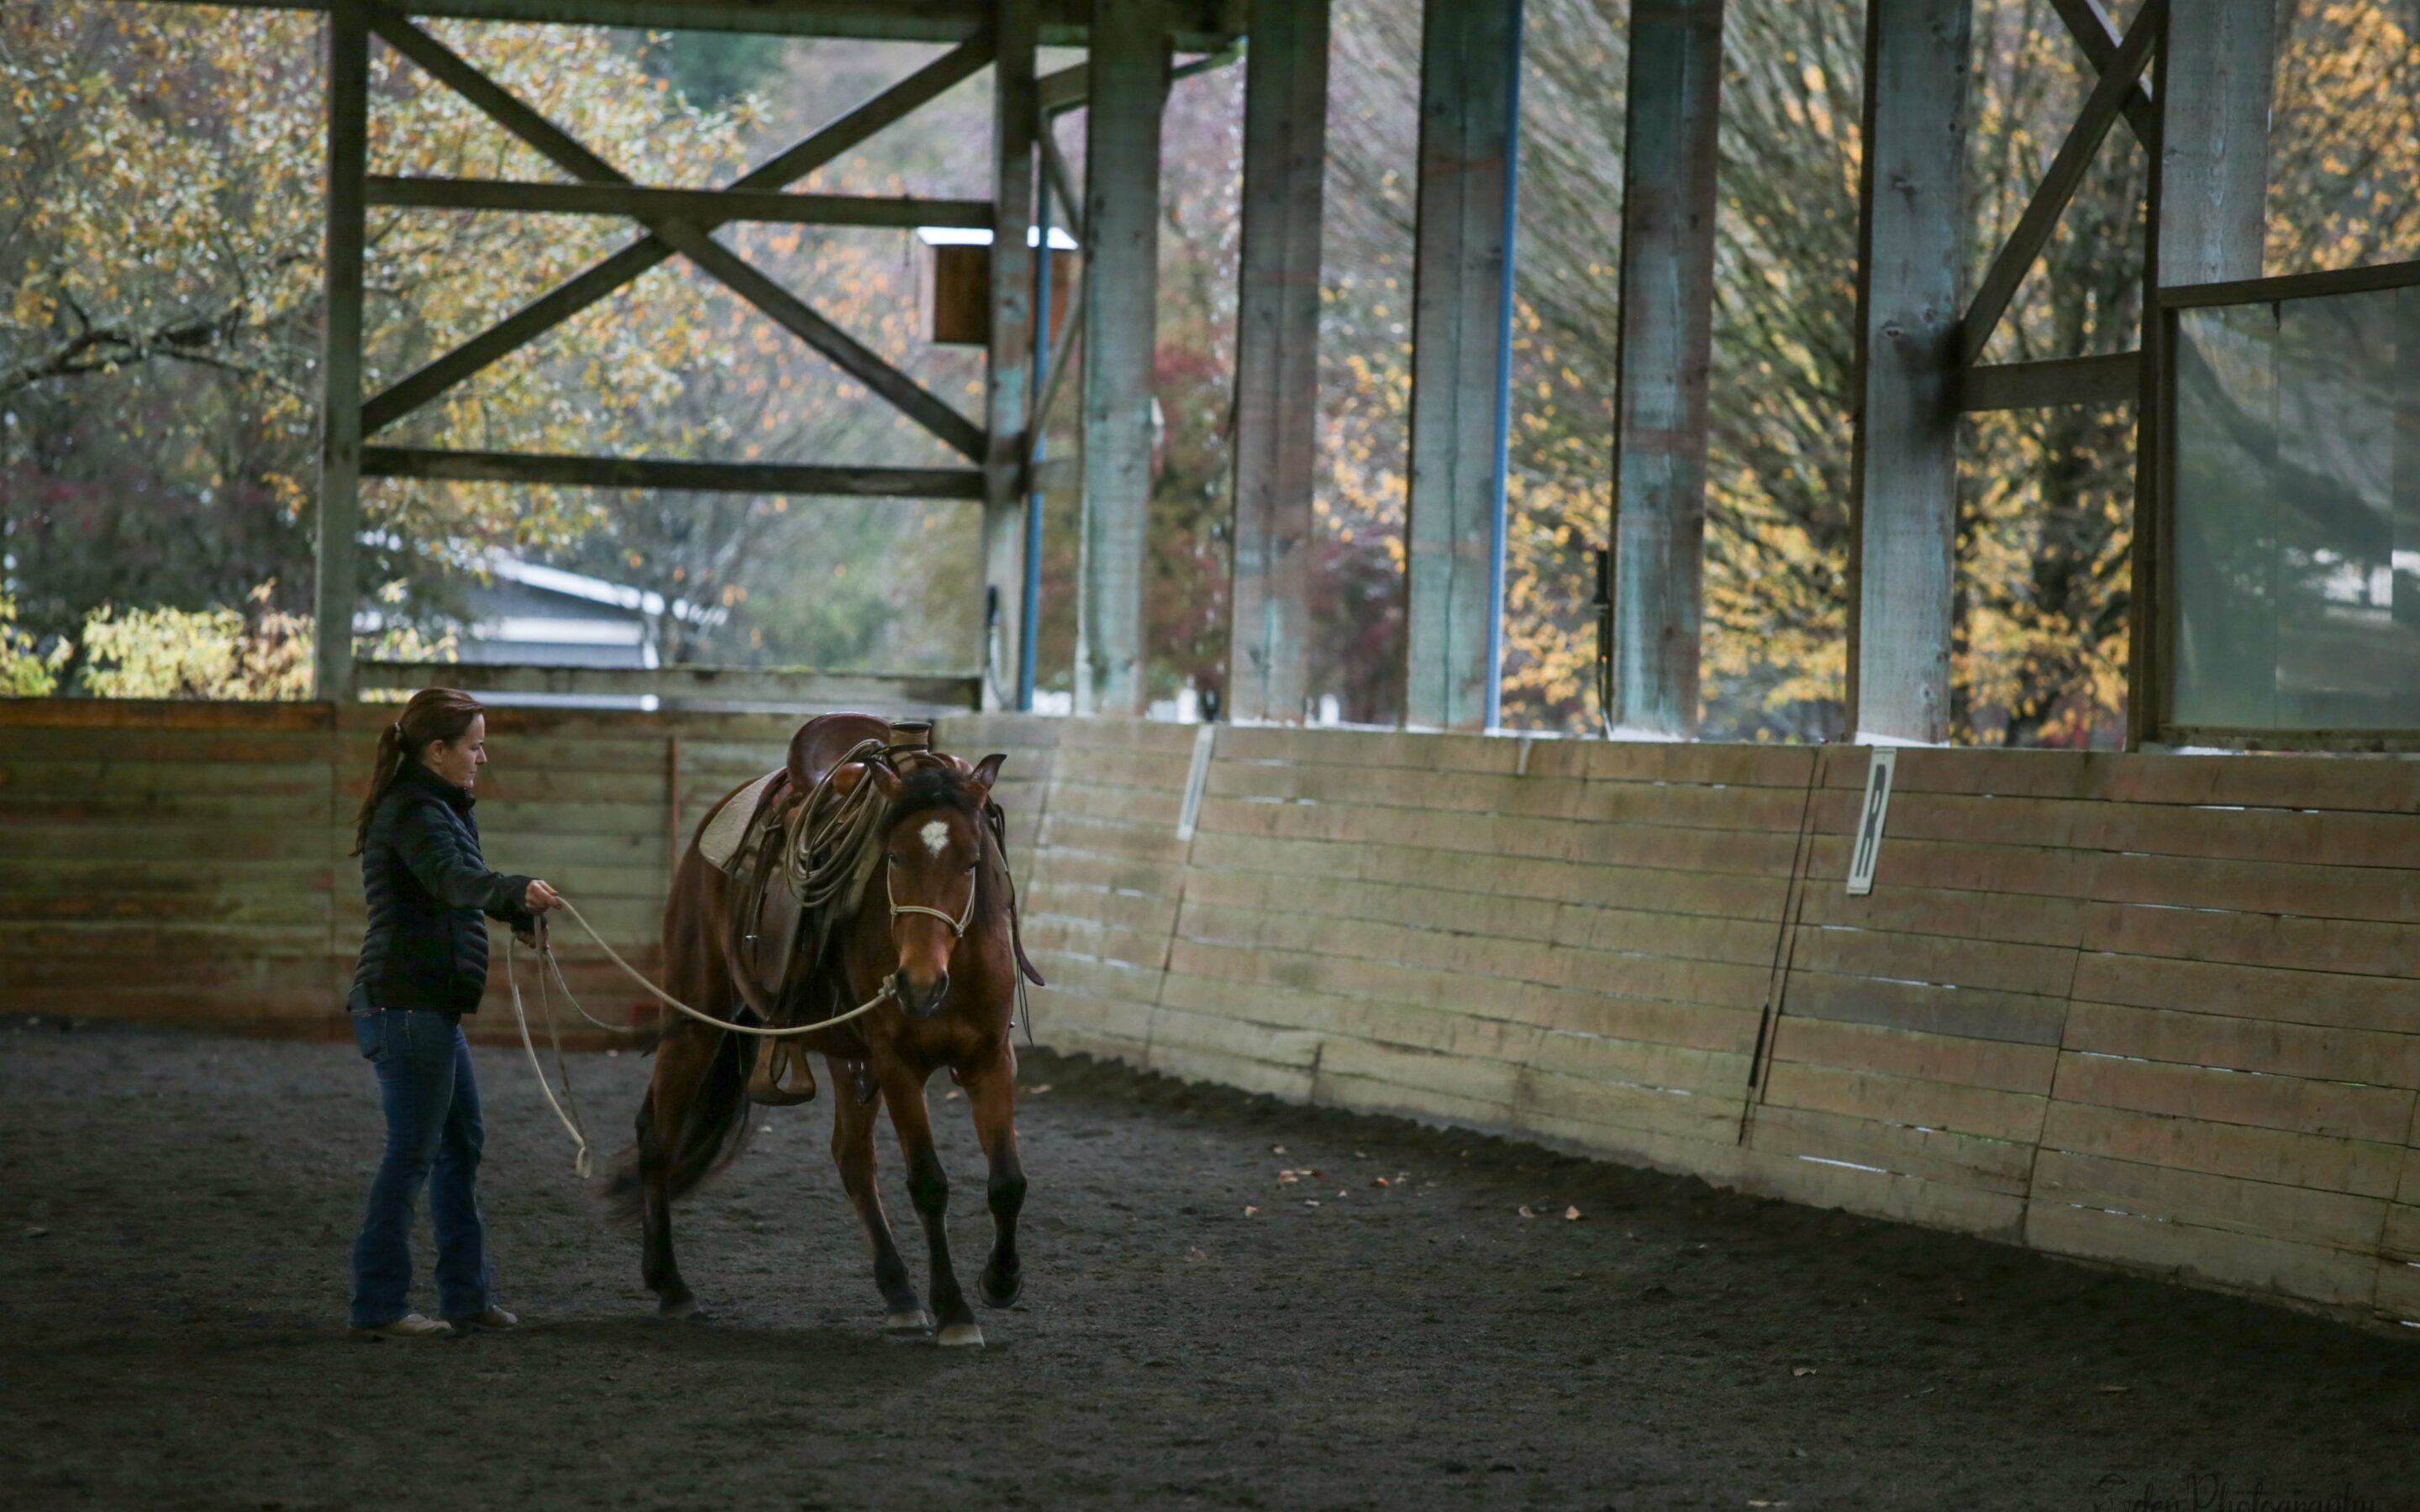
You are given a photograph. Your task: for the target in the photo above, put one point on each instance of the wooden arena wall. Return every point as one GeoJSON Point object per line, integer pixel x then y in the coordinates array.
{"type": "Point", "coordinates": [2156, 1012]}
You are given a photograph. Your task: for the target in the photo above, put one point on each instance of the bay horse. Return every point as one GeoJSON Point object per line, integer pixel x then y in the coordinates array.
{"type": "Point", "coordinates": [943, 956]}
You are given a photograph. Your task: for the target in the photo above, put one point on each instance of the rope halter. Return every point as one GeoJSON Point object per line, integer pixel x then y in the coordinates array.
{"type": "Point", "coordinates": [958, 925]}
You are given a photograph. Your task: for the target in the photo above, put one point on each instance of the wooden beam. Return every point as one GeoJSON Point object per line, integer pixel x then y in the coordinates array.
{"type": "Point", "coordinates": [2088, 22]}
{"type": "Point", "coordinates": [1008, 371]}
{"type": "Point", "coordinates": [1277, 360]}
{"type": "Point", "coordinates": [1195, 25]}
{"type": "Point", "coordinates": [2208, 220]}
{"type": "Point", "coordinates": [799, 687]}
{"type": "Point", "coordinates": [2016, 255]}
{"type": "Point", "coordinates": [785, 309]}
{"type": "Point", "coordinates": [1121, 127]}
{"type": "Point", "coordinates": [2111, 379]}
{"type": "Point", "coordinates": [1904, 500]}
{"type": "Point", "coordinates": [1062, 184]}
{"type": "Point", "coordinates": [337, 574]}
{"type": "Point", "coordinates": [1461, 270]}
{"type": "Point", "coordinates": [555, 471]}
{"type": "Point", "coordinates": [568, 299]}
{"type": "Point", "coordinates": [698, 206]}
{"type": "Point", "coordinates": [1661, 363]}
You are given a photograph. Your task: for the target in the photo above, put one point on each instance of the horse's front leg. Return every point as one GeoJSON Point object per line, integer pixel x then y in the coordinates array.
{"type": "Point", "coordinates": [853, 1152]}
{"type": "Point", "coordinates": [928, 1187]}
{"type": "Point", "coordinates": [991, 1093]}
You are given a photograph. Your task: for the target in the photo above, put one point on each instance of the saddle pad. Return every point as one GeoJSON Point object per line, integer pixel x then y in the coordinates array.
{"type": "Point", "coordinates": [720, 841]}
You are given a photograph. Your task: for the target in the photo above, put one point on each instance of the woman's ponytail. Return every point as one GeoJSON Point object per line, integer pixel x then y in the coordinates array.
{"type": "Point", "coordinates": [433, 714]}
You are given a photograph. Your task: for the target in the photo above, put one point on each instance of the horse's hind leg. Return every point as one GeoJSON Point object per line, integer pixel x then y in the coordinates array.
{"type": "Point", "coordinates": [853, 1152]}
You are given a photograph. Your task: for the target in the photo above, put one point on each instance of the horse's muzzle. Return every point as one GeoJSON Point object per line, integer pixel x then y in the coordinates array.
{"type": "Point", "coordinates": [920, 1005]}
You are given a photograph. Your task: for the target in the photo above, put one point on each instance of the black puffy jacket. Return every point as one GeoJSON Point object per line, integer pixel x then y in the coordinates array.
{"type": "Point", "coordinates": [427, 886]}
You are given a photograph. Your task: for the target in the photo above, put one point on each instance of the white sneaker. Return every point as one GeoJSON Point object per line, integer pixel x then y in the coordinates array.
{"type": "Point", "coordinates": [410, 1326]}
{"type": "Point", "coordinates": [494, 1318]}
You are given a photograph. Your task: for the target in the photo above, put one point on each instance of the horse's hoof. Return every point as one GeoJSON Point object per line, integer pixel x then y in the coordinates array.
{"type": "Point", "coordinates": [993, 1295]}
{"type": "Point", "coordinates": [680, 1309]}
{"type": "Point", "coordinates": [961, 1336]}
{"type": "Point", "coordinates": [918, 1321]}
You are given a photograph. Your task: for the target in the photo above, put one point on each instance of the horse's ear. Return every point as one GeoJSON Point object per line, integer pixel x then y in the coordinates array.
{"type": "Point", "coordinates": [987, 771]}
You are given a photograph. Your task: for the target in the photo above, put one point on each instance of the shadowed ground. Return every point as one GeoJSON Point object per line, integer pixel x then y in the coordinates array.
{"type": "Point", "coordinates": [175, 1212]}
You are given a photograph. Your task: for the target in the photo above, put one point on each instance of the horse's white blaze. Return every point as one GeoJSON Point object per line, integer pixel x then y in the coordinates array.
{"type": "Point", "coordinates": [937, 837]}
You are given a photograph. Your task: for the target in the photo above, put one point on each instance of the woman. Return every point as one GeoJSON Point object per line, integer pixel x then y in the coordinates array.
{"type": "Point", "coordinates": [422, 966]}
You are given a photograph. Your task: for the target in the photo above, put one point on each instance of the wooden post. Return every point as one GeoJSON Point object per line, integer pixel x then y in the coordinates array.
{"type": "Point", "coordinates": [1008, 377]}
{"type": "Point", "coordinates": [1130, 88]}
{"type": "Point", "coordinates": [1471, 58]}
{"type": "Point", "coordinates": [2208, 208]}
{"type": "Point", "coordinates": [1277, 358]}
{"type": "Point", "coordinates": [337, 574]}
{"type": "Point", "coordinates": [1667, 301]}
{"type": "Point", "coordinates": [1906, 458]}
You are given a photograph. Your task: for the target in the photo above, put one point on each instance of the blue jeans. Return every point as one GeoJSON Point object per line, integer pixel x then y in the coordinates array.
{"type": "Point", "coordinates": [432, 1128]}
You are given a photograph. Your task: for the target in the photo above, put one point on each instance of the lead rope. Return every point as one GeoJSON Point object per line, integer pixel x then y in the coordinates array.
{"type": "Point", "coordinates": [571, 1122]}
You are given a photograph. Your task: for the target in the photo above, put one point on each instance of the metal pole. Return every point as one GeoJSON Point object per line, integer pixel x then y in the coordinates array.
{"type": "Point", "coordinates": [1008, 410]}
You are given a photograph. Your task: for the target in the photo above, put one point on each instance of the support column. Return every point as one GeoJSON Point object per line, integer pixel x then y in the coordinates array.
{"type": "Point", "coordinates": [1470, 61]}
{"type": "Point", "coordinates": [1277, 358]}
{"type": "Point", "coordinates": [1905, 466]}
{"type": "Point", "coordinates": [1667, 302]}
{"type": "Point", "coordinates": [337, 574]}
{"type": "Point", "coordinates": [1008, 376]}
{"type": "Point", "coordinates": [2215, 74]}
{"type": "Point", "coordinates": [1128, 76]}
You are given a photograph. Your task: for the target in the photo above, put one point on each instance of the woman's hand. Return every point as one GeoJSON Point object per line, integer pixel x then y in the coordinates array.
{"type": "Point", "coordinates": [541, 897]}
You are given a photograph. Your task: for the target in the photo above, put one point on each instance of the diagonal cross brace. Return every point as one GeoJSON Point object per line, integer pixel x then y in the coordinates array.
{"type": "Point", "coordinates": [2088, 22]}
{"type": "Point", "coordinates": [2067, 168]}
{"type": "Point", "coordinates": [568, 299]}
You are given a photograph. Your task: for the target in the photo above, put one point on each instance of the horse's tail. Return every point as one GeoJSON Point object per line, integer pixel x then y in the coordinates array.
{"type": "Point", "coordinates": [711, 1129]}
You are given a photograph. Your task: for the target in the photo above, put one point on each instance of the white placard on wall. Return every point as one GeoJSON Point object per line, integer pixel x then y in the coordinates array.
{"type": "Point", "coordinates": [1870, 815]}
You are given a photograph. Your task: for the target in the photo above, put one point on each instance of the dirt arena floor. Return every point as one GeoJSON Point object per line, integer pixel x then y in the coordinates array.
{"type": "Point", "coordinates": [175, 1212]}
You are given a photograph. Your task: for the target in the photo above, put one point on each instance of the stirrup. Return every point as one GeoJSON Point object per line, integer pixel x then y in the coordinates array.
{"type": "Point", "coordinates": [769, 1083]}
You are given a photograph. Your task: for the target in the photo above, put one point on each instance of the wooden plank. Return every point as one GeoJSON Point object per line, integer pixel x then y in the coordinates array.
{"type": "Point", "coordinates": [2040, 970]}
{"type": "Point", "coordinates": [2356, 947]}
{"type": "Point", "coordinates": [1885, 1194]}
{"type": "Point", "coordinates": [1197, 26]}
{"type": "Point", "coordinates": [2377, 1114]}
{"type": "Point", "coordinates": [2022, 1018]}
{"type": "Point", "coordinates": [1662, 359]}
{"type": "Point", "coordinates": [1905, 1101]}
{"type": "Point", "coordinates": [2291, 1158]}
{"type": "Point", "coordinates": [1462, 266]}
{"type": "Point", "coordinates": [1904, 454]}
{"type": "Point", "coordinates": [2247, 991]}
{"type": "Point", "coordinates": [162, 714]}
{"type": "Point", "coordinates": [557, 470]}
{"type": "Point", "coordinates": [1276, 359]}
{"type": "Point", "coordinates": [2230, 1203]}
{"type": "Point", "coordinates": [647, 203]}
{"type": "Point", "coordinates": [1929, 1154]}
{"type": "Point", "coordinates": [2111, 379]}
{"type": "Point", "coordinates": [2197, 1039]}
{"type": "Point", "coordinates": [2013, 918]}
{"type": "Point", "coordinates": [1122, 129]}
{"type": "Point", "coordinates": [2309, 1272]}
{"type": "Point", "coordinates": [807, 689]}
{"type": "Point", "coordinates": [1998, 1064]}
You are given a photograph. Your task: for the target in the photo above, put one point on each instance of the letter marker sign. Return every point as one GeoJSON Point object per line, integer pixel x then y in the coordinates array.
{"type": "Point", "coordinates": [1870, 822]}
